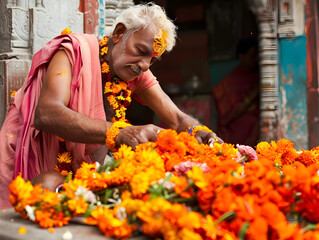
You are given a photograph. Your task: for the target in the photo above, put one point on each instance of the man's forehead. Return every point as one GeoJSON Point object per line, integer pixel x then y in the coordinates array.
{"type": "Point", "coordinates": [147, 34]}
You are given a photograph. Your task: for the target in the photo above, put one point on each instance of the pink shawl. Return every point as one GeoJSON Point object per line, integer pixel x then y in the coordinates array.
{"type": "Point", "coordinates": [36, 151]}
{"type": "Point", "coordinates": [24, 149]}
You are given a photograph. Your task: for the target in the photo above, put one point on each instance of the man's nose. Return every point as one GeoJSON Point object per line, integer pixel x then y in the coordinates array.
{"type": "Point", "coordinates": [145, 63]}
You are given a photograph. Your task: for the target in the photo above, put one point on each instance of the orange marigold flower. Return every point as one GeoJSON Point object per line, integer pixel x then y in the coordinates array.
{"type": "Point", "coordinates": [104, 50]}
{"type": "Point", "coordinates": [282, 152]}
{"type": "Point", "coordinates": [44, 218]}
{"type": "Point", "coordinates": [166, 140]}
{"type": "Point", "coordinates": [66, 31]}
{"type": "Point", "coordinates": [77, 206]}
{"type": "Point", "coordinates": [111, 226]}
{"type": "Point", "coordinates": [22, 193]}
{"type": "Point", "coordinates": [151, 215]}
{"type": "Point", "coordinates": [105, 68]}
{"type": "Point", "coordinates": [307, 157]}
{"type": "Point", "coordinates": [181, 184]}
{"type": "Point", "coordinates": [257, 229]}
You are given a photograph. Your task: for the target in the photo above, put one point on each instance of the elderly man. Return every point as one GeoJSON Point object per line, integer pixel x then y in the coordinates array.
{"type": "Point", "coordinates": [61, 106]}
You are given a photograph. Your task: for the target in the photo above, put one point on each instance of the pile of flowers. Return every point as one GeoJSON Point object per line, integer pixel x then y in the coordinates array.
{"type": "Point", "coordinates": [175, 188]}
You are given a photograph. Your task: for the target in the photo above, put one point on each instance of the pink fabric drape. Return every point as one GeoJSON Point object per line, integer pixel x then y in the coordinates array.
{"type": "Point", "coordinates": [28, 151]}
{"type": "Point", "coordinates": [24, 149]}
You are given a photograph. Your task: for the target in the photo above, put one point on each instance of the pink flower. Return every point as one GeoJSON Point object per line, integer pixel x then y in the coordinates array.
{"type": "Point", "coordinates": [184, 167]}
{"type": "Point", "coordinates": [245, 154]}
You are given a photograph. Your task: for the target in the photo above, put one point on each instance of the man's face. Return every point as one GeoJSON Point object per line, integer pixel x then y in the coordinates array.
{"type": "Point", "coordinates": [133, 57]}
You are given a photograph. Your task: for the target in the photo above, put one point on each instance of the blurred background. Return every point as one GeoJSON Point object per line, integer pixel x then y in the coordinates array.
{"type": "Point", "coordinates": [248, 69]}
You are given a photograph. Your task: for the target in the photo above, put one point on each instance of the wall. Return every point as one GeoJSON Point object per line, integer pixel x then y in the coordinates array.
{"type": "Point", "coordinates": [292, 91]}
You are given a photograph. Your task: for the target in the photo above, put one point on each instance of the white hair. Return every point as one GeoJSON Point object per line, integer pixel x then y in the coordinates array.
{"type": "Point", "coordinates": [144, 15]}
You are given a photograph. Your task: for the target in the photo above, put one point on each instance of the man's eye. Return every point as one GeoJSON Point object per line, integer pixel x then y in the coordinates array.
{"type": "Point", "coordinates": [140, 51]}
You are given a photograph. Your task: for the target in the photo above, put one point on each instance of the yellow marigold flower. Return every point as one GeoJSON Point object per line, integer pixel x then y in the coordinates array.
{"type": "Point", "coordinates": [105, 68]}
{"type": "Point", "coordinates": [104, 50]}
{"type": "Point", "coordinates": [124, 152]}
{"type": "Point", "coordinates": [131, 205]}
{"type": "Point", "coordinates": [13, 93]}
{"type": "Point", "coordinates": [64, 157]}
{"type": "Point", "coordinates": [66, 31]}
{"type": "Point", "coordinates": [140, 183]}
{"type": "Point", "coordinates": [149, 158]}
{"type": "Point", "coordinates": [21, 193]}
{"type": "Point", "coordinates": [112, 101]}
{"type": "Point", "coordinates": [198, 177]}
{"type": "Point", "coordinates": [107, 88]}
{"type": "Point", "coordinates": [104, 41]}
{"type": "Point", "coordinates": [50, 199]}
{"type": "Point", "coordinates": [121, 98]}
{"type": "Point", "coordinates": [77, 206]}
{"type": "Point", "coordinates": [185, 234]}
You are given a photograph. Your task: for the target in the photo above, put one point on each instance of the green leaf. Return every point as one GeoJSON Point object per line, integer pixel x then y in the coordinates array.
{"type": "Point", "coordinates": [108, 193]}
{"type": "Point", "coordinates": [68, 178]}
{"type": "Point", "coordinates": [310, 227]}
{"type": "Point", "coordinates": [243, 230]}
{"type": "Point", "coordinates": [225, 216]}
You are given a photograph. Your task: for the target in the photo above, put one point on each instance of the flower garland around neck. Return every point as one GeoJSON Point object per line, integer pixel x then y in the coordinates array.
{"type": "Point", "coordinates": [118, 95]}
{"type": "Point", "coordinates": [116, 90]}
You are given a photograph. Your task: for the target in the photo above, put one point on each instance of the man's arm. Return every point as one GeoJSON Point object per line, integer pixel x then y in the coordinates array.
{"type": "Point", "coordinates": [52, 114]}
{"type": "Point", "coordinates": [174, 118]}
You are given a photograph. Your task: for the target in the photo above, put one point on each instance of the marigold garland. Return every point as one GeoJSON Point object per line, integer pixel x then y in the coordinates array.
{"type": "Point", "coordinates": [112, 132]}
{"type": "Point", "coordinates": [116, 90]}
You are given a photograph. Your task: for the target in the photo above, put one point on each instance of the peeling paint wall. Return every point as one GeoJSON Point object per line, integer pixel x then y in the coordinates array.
{"type": "Point", "coordinates": [292, 91]}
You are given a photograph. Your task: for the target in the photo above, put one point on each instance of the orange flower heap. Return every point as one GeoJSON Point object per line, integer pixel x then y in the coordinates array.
{"type": "Point", "coordinates": [175, 188]}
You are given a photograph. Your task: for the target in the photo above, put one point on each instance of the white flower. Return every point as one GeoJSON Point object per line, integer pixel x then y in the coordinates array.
{"type": "Point", "coordinates": [121, 213]}
{"type": "Point", "coordinates": [67, 235]}
{"type": "Point", "coordinates": [87, 194]}
{"type": "Point", "coordinates": [30, 212]}
{"type": "Point", "coordinates": [167, 184]}
{"type": "Point", "coordinates": [97, 166]}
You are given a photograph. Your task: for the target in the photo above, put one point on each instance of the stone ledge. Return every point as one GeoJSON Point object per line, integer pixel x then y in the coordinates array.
{"type": "Point", "coordinates": [10, 222]}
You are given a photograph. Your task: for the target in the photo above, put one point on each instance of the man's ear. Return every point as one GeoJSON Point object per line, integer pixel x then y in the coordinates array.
{"type": "Point", "coordinates": [118, 32]}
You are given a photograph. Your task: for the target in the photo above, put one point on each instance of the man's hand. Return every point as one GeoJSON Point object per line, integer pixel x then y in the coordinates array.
{"type": "Point", "coordinates": [207, 138]}
{"type": "Point", "coordinates": [135, 135]}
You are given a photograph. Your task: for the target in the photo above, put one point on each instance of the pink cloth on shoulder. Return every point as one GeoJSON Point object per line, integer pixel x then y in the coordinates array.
{"type": "Point", "coordinates": [25, 150]}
